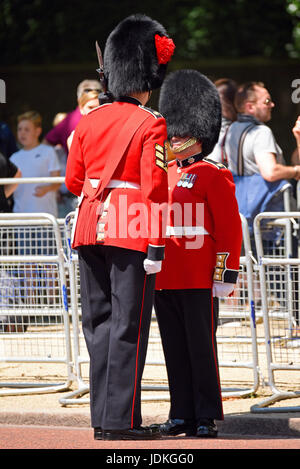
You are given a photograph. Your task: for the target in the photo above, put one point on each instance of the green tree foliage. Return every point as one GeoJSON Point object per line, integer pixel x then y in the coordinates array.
{"type": "Point", "coordinates": [40, 31]}
{"type": "Point", "coordinates": [293, 8]}
{"type": "Point", "coordinates": [238, 28]}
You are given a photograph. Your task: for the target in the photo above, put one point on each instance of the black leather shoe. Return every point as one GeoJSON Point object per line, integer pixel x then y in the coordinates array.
{"type": "Point", "coordinates": [206, 428]}
{"type": "Point", "coordinates": [140, 433]}
{"type": "Point", "coordinates": [173, 427]}
{"type": "Point", "coordinates": [98, 434]}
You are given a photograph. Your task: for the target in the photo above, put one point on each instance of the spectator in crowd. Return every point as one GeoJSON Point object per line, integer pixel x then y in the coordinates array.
{"type": "Point", "coordinates": [7, 170]}
{"type": "Point", "coordinates": [65, 200]}
{"type": "Point", "coordinates": [261, 153]}
{"type": "Point", "coordinates": [35, 160]}
{"type": "Point", "coordinates": [8, 144]}
{"type": "Point", "coordinates": [86, 103]}
{"type": "Point", "coordinates": [251, 150]}
{"type": "Point", "coordinates": [62, 156]}
{"type": "Point", "coordinates": [60, 133]}
{"type": "Point", "coordinates": [258, 165]}
{"type": "Point", "coordinates": [296, 131]}
{"type": "Point", "coordinates": [58, 118]}
{"type": "Point", "coordinates": [226, 88]}
{"type": "Point", "coordinates": [295, 158]}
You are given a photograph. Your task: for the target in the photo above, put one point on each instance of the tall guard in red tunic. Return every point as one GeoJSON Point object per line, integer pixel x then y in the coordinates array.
{"type": "Point", "coordinates": [117, 167]}
{"type": "Point", "coordinates": [202, 253]}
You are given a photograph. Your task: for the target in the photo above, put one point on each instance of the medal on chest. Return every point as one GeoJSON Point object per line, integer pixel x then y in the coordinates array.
{"type": "Point", "coordinates": [187, 180]}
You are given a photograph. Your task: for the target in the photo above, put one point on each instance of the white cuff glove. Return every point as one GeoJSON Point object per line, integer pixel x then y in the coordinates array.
{"type": "Point", "coordinates": [221, 290]}
{"type": "Point", "coordinates": [152, 267]}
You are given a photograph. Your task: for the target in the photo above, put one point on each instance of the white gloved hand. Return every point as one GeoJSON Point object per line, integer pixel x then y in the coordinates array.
{"type": "Point", "coordinates": [152, 267]}
{"type": "Point", "coordinates": [221, 290]}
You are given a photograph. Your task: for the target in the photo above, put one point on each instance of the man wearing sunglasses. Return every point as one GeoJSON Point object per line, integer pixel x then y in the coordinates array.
{"type": "Point", "coordinates": [249, 146]}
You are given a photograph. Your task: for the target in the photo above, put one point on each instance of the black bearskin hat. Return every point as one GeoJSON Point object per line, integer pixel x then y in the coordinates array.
{"type": "Point", "coordinates": [136, 55]}
{"type": "Point", "coordinates": [190, 103]}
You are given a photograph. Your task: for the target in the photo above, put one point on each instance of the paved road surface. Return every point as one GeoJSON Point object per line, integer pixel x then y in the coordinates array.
{"type": "Point", "coordinates": [42, 437]}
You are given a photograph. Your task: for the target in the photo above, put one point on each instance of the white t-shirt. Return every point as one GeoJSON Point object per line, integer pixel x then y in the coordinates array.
{"type": "Point", "coordinates": [37, 162]}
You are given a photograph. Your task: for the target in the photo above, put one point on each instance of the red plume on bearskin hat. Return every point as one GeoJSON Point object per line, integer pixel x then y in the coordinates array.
{"type": "Point", "coordinates": [136, 55]}
{"type": "Point", "coordinates": [190, 103]}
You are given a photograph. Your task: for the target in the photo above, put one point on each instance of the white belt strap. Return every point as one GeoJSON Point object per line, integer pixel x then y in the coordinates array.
{"type": "Point", "coordinates": [94, 183]}
{"type": "Point", "coordinates": [186, 230]}
{"type": "Point", "coordinates": [116, 184]}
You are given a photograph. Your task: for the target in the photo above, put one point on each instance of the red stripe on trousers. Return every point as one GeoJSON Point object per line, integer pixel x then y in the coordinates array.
{"type": "Point", "coordinates": [137, 352]}
{"type": "Point", "coordinates": [214, 349]}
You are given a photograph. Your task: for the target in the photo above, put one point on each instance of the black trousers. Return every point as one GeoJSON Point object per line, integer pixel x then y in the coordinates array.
{"type": "Point", "coordinates": [188, 322]}
{"type": "Point", "coordinates": [117, 300]}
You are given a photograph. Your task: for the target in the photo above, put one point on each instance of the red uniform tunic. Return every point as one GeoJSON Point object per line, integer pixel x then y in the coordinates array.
{"type": "Point", "coordinates": [127, 211]}
{"type": "Point", "coordinates": [205, 193]}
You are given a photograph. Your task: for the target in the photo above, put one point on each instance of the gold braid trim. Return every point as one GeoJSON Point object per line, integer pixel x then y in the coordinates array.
{"type": "Point", "coordinates": [191, 141]}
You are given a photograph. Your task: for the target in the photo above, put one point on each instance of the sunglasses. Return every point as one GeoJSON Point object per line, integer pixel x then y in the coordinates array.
{"type": "Point", "coordinates": [267, 101]}
{"type": "Point", "coordinates": [87, 90]}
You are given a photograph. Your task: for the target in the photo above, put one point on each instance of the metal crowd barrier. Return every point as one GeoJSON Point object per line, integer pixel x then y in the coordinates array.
{"type": "Point", "coordinates": [237, 332]}
{"type": "Point", "coordinates": [279, 281]}
{"type": "Point", "coordinates": [298, 195]}
{"type": "Point", "coordinates": [34, 318]}
{"type": "Point", "coordinates": [40, 295]}
{"type": "Point", "coordinates": [79, 349]}
{"type": "Point", "coordinates": [236, 337]}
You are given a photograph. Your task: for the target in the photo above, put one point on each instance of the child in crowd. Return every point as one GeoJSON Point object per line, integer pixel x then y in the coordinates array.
{"type": "Point", "coordinates": [35, 160]}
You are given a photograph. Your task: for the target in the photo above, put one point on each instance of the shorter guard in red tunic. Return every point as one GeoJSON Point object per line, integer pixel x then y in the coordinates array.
{"type": "Point", "coordinates": [203, 248]}
{"type": "Point", "coordinates": [201, 200]}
